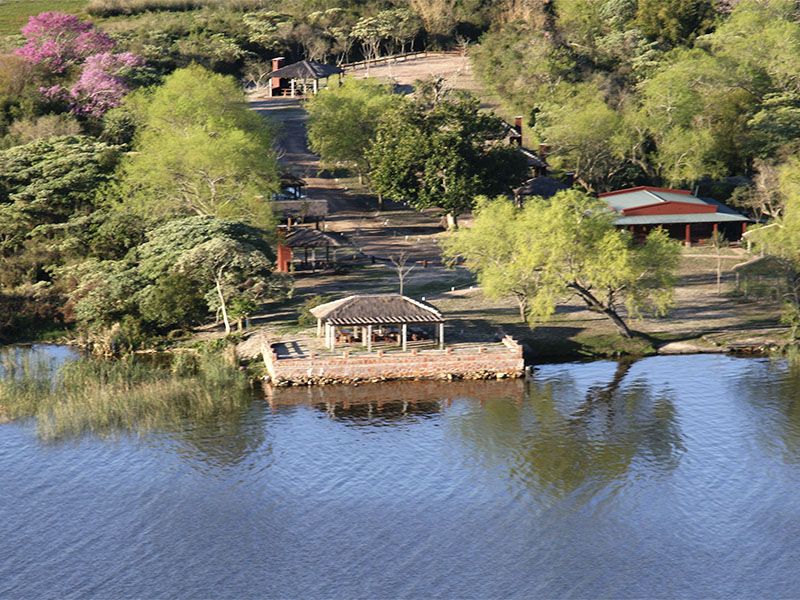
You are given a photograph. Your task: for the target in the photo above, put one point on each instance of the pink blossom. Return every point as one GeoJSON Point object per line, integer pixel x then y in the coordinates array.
{"type": "Point", "coordinates": [103, 82]}
{"type": "Point", "coordinates": [59, 40]}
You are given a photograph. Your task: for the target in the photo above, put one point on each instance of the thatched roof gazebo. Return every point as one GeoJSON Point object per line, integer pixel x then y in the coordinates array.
{"type": "Point", "coordinates": [362, 313]}
{"type": "Point", "coordinates": [300, 75]}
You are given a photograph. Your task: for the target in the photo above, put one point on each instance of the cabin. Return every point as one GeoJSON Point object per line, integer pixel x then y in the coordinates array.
{"type": "Point", "coordinates": [683, 215]}
{"type": "Point", "coordinates": [300, 78]}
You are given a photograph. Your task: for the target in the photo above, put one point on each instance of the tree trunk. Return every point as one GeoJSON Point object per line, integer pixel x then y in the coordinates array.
{"type": "Point", "coordinates": [452, 221]}
{"type": "Point", "coordinates": [522, 303]}
{"type": "Point", "coordinates": [621, 326]}
{"type": "Point", "coordinates": [380, 202]}
{"type": "Point", "coordinates": [594, 304]}
{"type": "Point", "coordinates": [222, 306]}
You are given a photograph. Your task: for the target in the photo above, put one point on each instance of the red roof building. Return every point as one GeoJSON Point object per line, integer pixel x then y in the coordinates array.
{"type": "Point", "coordinates": [683, 215]}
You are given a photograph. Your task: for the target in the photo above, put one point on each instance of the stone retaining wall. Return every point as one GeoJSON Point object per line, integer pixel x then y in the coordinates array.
{"type": "Point", "coordinates": [473, 362]}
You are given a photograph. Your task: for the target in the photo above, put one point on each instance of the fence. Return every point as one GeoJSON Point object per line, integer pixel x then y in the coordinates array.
{"type": "Point", "coordinates": [385, 59]}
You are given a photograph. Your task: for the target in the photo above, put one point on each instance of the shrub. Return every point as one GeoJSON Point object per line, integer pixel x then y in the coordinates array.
{"type": "Point", "coordinates": [306, 319]}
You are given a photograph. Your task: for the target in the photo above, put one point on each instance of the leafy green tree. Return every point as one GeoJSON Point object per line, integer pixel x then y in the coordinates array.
{"type": "Point", "coordinates": [565, 246]}
{"type": "Point", "coordinates": [586, 136]}
{"type": "Point", "coordinates": [48, 181]}
{"type": "Point", "coordinates": [443, 156]}
{"type": "Point", "coordinates": [186, 268]}
{"type": "Point", "coordinates": [228, 260]}
{"type": "Point", "coordinates": [342, 122]}
{"type": "Point", "coordinates": [490, 247]}
{"type": "Point", "coordinates": [674, 22]}
{"type": "Point", "coordinates": [201, 151]}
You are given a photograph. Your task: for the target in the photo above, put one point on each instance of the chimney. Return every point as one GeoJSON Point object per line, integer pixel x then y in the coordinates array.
{"type": "Point", "coordinates": [277, 62]}
{"type": "Point", "coordinates": [517, 137]}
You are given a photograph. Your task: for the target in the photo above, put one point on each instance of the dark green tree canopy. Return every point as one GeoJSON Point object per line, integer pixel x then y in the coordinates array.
{"type": "Point", "coordinates": [443, 155]}
{"type": "Point", "coordinates": [47, 181]}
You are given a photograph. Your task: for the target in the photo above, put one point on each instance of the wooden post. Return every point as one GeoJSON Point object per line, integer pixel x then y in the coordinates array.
{"type": "Point", "coordinates": [316, 86]}
{"type": "Point", "coordinates": [319, 327]}
{"type": "Point", "coordinates": [404, 334]}
{"type": "Point", "coordinates": [363, 336]}
{"type": "Point", "coordinates": [369, 338]}
{"type": "Point", "coordinates": [441, 335]}
{"type": "Point", "coordinates": [715, 229]}
{"type": "Point", "coordinates": [291, 83]}
{"type": "Point", "coordinates": [688, 241]}
{"type": "Point", "coordinates": [333, 337]}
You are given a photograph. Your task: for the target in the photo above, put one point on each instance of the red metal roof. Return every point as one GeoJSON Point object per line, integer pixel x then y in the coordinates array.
{"type": "Point", "coordinates": [645, 188]}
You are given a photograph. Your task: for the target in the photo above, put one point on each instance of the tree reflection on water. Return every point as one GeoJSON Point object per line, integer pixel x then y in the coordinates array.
{"type": "Point", "coordinates": [561, 441]}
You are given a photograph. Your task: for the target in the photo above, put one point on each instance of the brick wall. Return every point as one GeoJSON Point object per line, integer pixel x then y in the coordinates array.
{"type": "Point", "coordinates": [503, 359]}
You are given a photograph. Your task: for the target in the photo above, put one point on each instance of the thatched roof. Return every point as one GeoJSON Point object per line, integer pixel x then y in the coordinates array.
{"type": "Point", "coordinates": [305, 237]}
{"type": "Point", "coordinates": [306, 69]}
{"type": "Point", "coordinates": [377, 309]}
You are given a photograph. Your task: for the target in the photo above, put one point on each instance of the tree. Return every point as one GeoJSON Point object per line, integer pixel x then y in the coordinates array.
{"type": "Point", "coordinates": [564, 246]}
{"type": "Point", "coordinates": [402, 268]}
{"type": "Point", "coordinates": [586, 135]}
{"type": "Point", "coordinates": [342, 121]}
{"type": "Point", "coordinates": [490, 250]}
{"type": "Point", "coordinates": [48, 181]}
{"type": "Point", "coordinates": [232, 260]}
{"type": "Point", "coordinates": [443, 156]}
{"type": "Point", "coordinates": [186, 268]}
{"type": "Point", "coordinates": [103, 82]}
{"type": "Point", "coordinates": [371, 32]}
{"type": "Point", "coordinates": [201, 151]}
{"type": "Point", "coordinates": [58, 40]}
{"type": "Point", "coordinates": [674, 22]}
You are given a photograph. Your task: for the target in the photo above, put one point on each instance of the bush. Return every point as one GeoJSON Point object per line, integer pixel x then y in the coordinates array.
{"type": "Point", "coordinates": [306, 319]}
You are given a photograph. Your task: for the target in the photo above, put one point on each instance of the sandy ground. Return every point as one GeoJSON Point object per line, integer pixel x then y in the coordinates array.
{"type": "Point", "coordinates": [700, 310]}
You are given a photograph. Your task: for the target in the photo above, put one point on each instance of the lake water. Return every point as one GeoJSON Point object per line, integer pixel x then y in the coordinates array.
{"type": "Point", "coordinates": [670, 477]}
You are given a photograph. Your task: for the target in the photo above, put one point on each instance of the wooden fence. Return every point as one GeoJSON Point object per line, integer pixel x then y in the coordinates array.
{"type": "Point", "coordinates": [385, 59]}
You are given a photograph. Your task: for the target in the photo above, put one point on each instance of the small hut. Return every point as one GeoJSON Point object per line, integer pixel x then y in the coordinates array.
{"type": "Point", "coordinates": [371, 318]}
{"type": "Point", "coordinates": [300, 78]}
{"type": "Point", "coordinates": [309, 242]}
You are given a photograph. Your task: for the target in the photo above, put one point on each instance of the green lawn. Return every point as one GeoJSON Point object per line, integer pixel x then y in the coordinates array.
{"type": "Point", "coordinates": [14, 13]}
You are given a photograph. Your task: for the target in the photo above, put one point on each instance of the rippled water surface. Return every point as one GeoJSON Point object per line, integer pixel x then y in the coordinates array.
{"type": "Point", "coordinates": [670, 477]}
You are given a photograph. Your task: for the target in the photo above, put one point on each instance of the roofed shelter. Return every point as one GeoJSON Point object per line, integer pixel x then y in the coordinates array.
{"type": "Point", "coordinates": [307, 239]}
{"type": "Point", "coordinates": [682, 214]}
{"type": "Point", "coordinates": [300, 77]}
{"type": "Point", "coordinates": [363, 313]}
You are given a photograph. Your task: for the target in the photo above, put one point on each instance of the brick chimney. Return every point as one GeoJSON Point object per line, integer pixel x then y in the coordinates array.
{"type": "Point", "coordinates": [516, 138]}
{"type": "Point", "coordinates": [277, 62]}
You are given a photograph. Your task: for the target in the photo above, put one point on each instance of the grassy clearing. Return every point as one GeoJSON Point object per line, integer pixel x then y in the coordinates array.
{"type": "Point", "coordinates": [126, 396]}
{"type": "Point", "coordinates": [14, 13]}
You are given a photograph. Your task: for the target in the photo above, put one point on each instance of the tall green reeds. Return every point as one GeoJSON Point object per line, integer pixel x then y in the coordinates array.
{"type": "Point", "coordinates": [104, 397]}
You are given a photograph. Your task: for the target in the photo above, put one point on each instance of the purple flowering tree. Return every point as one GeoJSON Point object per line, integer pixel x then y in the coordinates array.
{"type": "Point", "coordinates": [103, 82]}
{"type": "Point", "coordinates": [58, 40]}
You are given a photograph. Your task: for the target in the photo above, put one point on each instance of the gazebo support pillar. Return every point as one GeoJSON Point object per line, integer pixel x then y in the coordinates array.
{"type": "Point", "coordinates": [688, 240]}
{"type": "Point", "coordinates": [441, 336]}
{"type": "Point", "coordinates": [369, 338]}
{"type": "Point", "coordinates": [404, 336]}
{"type": "Point", "coordinates": [319, 327]}
{"type": "Point", "coordinates": [291, 84]}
